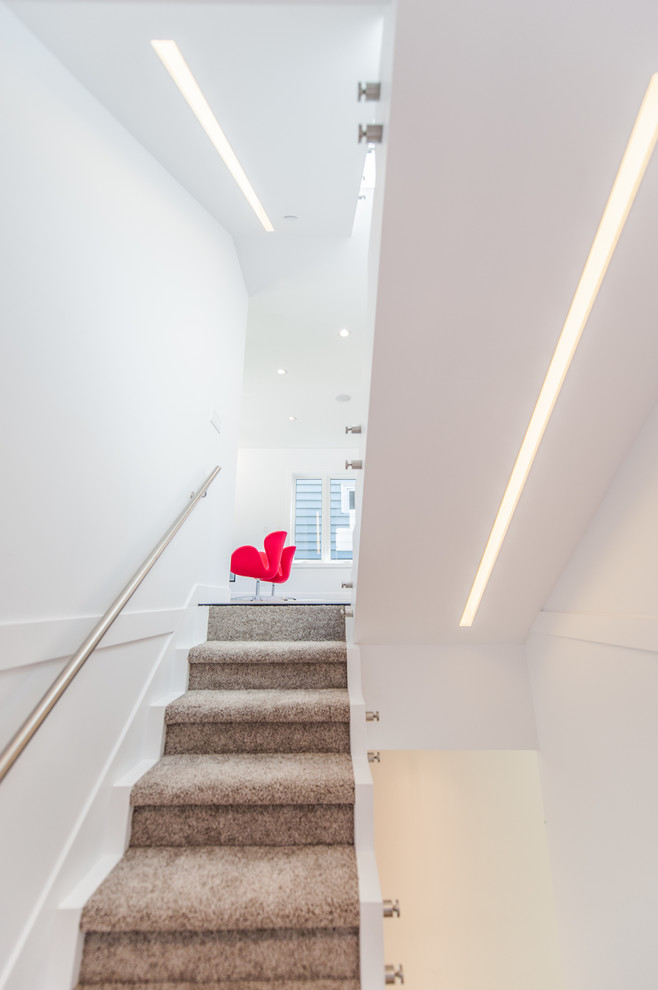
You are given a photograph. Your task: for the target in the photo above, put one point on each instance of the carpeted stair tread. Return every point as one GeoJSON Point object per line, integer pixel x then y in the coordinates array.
{"type": "Point", "coordinates": [247, 779]}
{"type": "Point", "coordinates": [276, 622]}
{"type": "Point", "coordinates": [204, 957]}
{"type": "Point", "coordinates": [255, 651]}
{"type": "Point", "coordinates": [241, 985]}
{"type": "Point", "coordinates": [225, 887]}
{"type": "Point", "coordinates": [319, 705]}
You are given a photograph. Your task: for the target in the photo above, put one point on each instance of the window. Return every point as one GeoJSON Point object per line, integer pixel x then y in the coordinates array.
{"type": "Point", "coordinates": [324, 513]}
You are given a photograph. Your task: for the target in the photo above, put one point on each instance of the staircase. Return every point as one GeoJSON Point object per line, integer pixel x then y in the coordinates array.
{"type": "Point", "coordinates": [241, 872]}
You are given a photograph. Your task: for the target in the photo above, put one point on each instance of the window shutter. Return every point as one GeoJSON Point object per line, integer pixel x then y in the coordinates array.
{"type": "Point", "coordinates": [342, 517]}
{"type": "Point", "coordinates": [308, 519]}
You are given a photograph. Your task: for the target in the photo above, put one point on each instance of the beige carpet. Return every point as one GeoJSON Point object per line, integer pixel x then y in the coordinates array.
{"type": "Point", "coordinates": [241, 873]}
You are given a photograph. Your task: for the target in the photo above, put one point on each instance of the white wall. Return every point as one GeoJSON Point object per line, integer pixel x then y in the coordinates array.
{"type": "Point", "coordinates": [263, 503]}
{"type": "Point", "coordinates": [460, 841]}
{"type": "Point", "coordinates": [593, 660]}
{"type": "Point", "coordinates": [448, 697]}
{"type": "Point", "coordinates": [122, 315]}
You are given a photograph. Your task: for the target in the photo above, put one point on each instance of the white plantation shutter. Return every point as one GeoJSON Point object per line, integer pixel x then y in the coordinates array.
{"type": "Point", "coordinates": [341, 517]}
{"type": "Point", "coordinates": [308, 518]}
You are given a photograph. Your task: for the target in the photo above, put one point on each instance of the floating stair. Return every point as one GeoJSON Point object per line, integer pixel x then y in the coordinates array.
{"type": "Point", "coordinates": [241, 872]}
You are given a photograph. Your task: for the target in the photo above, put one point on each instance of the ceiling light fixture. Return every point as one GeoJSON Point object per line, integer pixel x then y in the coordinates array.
{"type": "Point", "coordinates": [292, 419]}
{"type": "Point", "coordinates": [344, 332]}
{"type": "Point", "coordinates": [281, 371]}
{"type": "Point", "coordinates": [170, 55]}
{"type": "Point", "coordinates": [633, 165]}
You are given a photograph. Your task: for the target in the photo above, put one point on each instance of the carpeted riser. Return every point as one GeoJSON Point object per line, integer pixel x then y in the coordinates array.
{"type": "Point", "coordinates": [276, 622]}
{"type": "Point", "coordinates": [231, 677]}
{"type": "Point", "coordinates": [276, 825]}
{"type": "Point", "coordinates": [253, 737]}
{"type": "Point", "coordinates": [203, 957]}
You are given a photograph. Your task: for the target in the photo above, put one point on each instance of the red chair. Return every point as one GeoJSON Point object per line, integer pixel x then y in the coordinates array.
{"type": "Point", "coordinates": [283, 574]}
{"type": "Point", "coordinates": [269, 564]}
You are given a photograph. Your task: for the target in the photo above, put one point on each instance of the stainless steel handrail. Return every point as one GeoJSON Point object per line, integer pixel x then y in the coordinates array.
{"type": "Point", "coordinates": [20, 740]}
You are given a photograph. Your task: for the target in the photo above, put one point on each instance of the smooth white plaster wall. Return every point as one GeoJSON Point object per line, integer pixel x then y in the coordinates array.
{"type": "Point", "coordinates": [448, 697]}
{"type": "Point", "coordinates": [598, 737]}
{"type": "Point", "coordinates": [614, 568]}
{"type": "Point", "coordinates": [122, 314]}
{"type": "Point", "coordinates": [460, 841]}
{"type": "Point", "coordinates": [263, 503]}
{"type": "Point", "coordinates": [594, 695]}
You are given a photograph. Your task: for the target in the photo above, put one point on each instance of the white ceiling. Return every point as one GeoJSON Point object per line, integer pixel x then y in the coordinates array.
{"type": "Point", "coordinates": [508, 123]}
{"type": "Point", "coordinates": [281, 79]}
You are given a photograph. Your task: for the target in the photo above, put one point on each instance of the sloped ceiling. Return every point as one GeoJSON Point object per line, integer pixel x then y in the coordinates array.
{"type": "Point", "coordinates": [508, 123]}
{"type": "Point", "coordinates": [282, 80]}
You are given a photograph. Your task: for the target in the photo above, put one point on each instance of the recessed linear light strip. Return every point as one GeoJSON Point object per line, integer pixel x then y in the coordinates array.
{"type": "Point", "coordinates": [633, 166]}
{"type": "Point", "coordinates": [169, 54]}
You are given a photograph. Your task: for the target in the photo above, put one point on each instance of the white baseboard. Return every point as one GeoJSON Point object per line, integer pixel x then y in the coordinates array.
{"type": "Point", "coordinates": [25, 643]}
{"type": "Point", "coordinates": [41, 640]}
{"type": "Point", "coordinates": [211, 594]}
{"type": "Point", "coordinates": [370, 897]}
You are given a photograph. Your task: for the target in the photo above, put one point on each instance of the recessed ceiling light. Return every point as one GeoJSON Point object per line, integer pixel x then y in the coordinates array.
{"type": "Point", "coordinates": [292, 419]}
{"type": "Point", "coordinates": [281, 371]}
{"type": "Point", "coordinates": [343, 398]}
{"type": "Point", "coordinates": [633, 165]}
{"type": "Point", "coordinates": [170, 55]}
{"type": "Point", "coordinates": [290, 216]}
{"type": "Point", "coordinates": [344, 332]}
